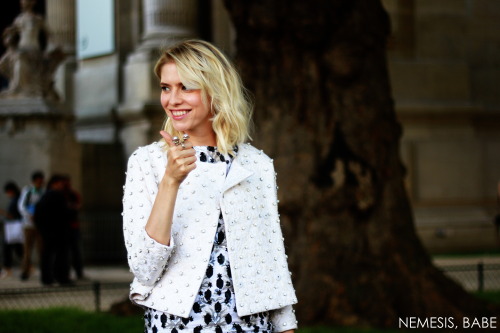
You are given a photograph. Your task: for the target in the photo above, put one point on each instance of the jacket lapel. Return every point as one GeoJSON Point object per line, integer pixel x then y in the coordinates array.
{"type": "Point", "coordinates": [237, 173]}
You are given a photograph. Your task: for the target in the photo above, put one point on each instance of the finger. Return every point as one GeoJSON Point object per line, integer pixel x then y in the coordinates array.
{"type": "Point", "coordinates": [187, 168]}
{"type": "Point", "coordinates": [168, 138]}
{"type": "Point", "coordinates": [189, 160]}
{"type": "Point", "coordinates": [178, 154]}
{"type": "Point", "coordinates": [187, 145]}
{"type": "Point", "coordinates": [187, 152]}
{"type": "Point", "coordinates": [183, 161]}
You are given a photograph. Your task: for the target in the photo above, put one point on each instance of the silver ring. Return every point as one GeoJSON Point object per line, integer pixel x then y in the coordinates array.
{"type": "Point", "coordinates": [185, 136]}
{"type": "Point", "coordinates": [183, 145]}
{"type": "Point", "coordinates": [175, 140]}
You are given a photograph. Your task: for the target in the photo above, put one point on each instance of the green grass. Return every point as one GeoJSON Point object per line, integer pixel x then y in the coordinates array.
{"type": "Point", "coordinates": [490, 296]}
{"type": "Point", "coordinates": [69, 320]}
{"type": "Point", "coordinates": [66, 320]}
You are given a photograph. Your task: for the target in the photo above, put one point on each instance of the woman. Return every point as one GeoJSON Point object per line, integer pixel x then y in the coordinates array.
{"type": "Point", "coordinates": [200, 213]}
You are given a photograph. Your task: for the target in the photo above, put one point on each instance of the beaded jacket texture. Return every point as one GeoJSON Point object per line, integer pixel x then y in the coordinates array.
{"type": "Point", "coordinates": [167, 278]}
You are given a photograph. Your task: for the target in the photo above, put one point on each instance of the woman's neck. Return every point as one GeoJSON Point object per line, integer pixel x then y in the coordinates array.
{"type": "Point", "coordinates": [208, 139]}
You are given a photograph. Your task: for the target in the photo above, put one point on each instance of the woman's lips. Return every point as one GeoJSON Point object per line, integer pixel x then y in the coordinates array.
{"type": "Point", "coordinates": [179, 114]}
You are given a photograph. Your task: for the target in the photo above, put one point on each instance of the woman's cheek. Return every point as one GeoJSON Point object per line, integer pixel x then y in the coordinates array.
{"type": "Point", "coordinates": [164, 102]}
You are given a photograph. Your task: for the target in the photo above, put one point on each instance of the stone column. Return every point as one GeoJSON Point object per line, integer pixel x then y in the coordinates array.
{"type": "Point", "coordinates": [223, 32]}
{"type": "Point", "coordinates": [62, 23]}
{"type": "Point", "coordinates": [168, 19]}
{"type": "Point", "coordinates": [163, 22]}
{"type": "Point", "coordinates": [61, 20]}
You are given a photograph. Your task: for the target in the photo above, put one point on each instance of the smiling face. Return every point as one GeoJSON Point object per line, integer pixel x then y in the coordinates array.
{"type": "Point", "coordinates": [185, 107]}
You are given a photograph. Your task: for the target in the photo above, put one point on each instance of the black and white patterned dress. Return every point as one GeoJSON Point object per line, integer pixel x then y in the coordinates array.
{"type": "Point", "coordinates": [214, 309]}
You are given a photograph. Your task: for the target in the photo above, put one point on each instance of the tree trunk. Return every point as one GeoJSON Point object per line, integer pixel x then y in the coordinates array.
{"type": "Point", "coordinates": [324, 112]}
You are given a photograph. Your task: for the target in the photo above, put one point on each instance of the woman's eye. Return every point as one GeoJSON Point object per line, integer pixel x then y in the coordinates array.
{"type": "Point", "coordinates": [186, 88]}
{"type": "Point", "coordinates": [164, 88]}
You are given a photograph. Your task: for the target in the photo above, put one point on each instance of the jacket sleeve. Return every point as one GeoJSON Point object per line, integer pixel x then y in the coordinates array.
{"type": "Point", "coordinates": [284, 319]}
{"type": "Point", "coordinates": [146, 257]}
{"type": "Point", "coordinates": [21, 203]}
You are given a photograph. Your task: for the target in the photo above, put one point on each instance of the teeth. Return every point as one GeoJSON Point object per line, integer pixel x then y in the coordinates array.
{"type": "Point", "coordinates": [179, 113]}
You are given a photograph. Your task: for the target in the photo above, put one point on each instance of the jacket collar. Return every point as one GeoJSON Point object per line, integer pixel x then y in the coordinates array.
{"type": "Point", "coordinates": [238, 171]}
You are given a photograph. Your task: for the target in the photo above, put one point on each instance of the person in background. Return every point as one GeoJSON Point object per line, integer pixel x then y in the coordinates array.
{"type": "Point", "coordinates": [52, 219]}
{"type": "Point", "coordinates": [13, 242]}
{"type": "Point", "coordinates": [75, 238]}
{"type": "Point", "coordinates": [27, 201]}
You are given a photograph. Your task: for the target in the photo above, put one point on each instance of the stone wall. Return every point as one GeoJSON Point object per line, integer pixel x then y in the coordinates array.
{"type": "Point", "coordinates": [444, 62]}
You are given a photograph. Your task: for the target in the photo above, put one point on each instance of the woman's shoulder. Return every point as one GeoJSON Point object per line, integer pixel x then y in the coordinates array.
{"type": "Point", "coordinates": [147, 157]}
{"type": "Point", "coordinates": [247, 150]}
{"type": "Point", "coordinates": [153, 149]}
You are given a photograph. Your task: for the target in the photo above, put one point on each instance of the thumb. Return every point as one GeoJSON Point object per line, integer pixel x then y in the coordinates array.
{"type": "Point", "coordinates": [168, 138]}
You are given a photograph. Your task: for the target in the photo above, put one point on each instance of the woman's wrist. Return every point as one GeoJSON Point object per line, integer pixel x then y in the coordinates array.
{"type": "Point", "coordinates": [168, 182]}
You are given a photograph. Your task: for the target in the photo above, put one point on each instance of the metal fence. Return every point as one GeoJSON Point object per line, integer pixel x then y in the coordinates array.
{"type": "Point", "coordinates": [94, 296]}
{"type": "Point", "coordinates": [479, 277]}
{"type": "Point", "coordinates": [97, 296]}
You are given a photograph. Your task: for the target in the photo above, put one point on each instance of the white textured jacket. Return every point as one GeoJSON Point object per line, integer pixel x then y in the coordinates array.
{"type": "Point", "coordinates": [167, 278]}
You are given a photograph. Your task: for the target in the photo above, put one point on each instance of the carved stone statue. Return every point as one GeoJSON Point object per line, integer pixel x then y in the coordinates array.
{"type": "Point", "coordinates": [29, 63]}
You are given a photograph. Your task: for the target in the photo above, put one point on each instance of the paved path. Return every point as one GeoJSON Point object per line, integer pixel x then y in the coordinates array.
{"type": "Point", "coordinates": [96, 273]}
{"type": "Point", "coordinates": [114, 287]}
{"type": "Point", "coordinates": [468, 260]}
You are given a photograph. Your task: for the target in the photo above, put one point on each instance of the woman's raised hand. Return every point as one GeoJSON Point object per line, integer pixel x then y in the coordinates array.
{"type": "Point", "coordinates": [180, 159]}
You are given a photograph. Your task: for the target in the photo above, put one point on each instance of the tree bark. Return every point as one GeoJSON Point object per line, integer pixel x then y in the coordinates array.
{"type": "Point", "coordinates": [324, 112]}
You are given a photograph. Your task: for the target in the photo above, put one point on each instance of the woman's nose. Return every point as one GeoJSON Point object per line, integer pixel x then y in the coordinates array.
{"type": "Point", "coordinates": [175, 97]}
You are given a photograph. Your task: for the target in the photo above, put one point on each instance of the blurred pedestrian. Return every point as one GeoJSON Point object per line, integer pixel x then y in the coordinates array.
{"type": "Point", "coordinates": [75, 238]}
{"type": "Point", "coordinates": [13, 230]}
{"type": "Point", "coordinates": [27, 201]}
{"type": "Point", "coordinates": [53, 223]}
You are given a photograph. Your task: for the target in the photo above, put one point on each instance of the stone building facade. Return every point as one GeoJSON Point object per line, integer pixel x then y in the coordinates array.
{"type": "Point", "coordinates": [444, 59]}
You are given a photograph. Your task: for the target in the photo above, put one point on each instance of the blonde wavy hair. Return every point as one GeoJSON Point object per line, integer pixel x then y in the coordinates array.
{"type": "Point", "coordinates": [202, 66]}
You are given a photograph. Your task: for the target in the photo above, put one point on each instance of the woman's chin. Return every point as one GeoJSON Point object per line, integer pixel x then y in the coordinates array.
{"type": "Point", "coordinates": [180, 128]}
